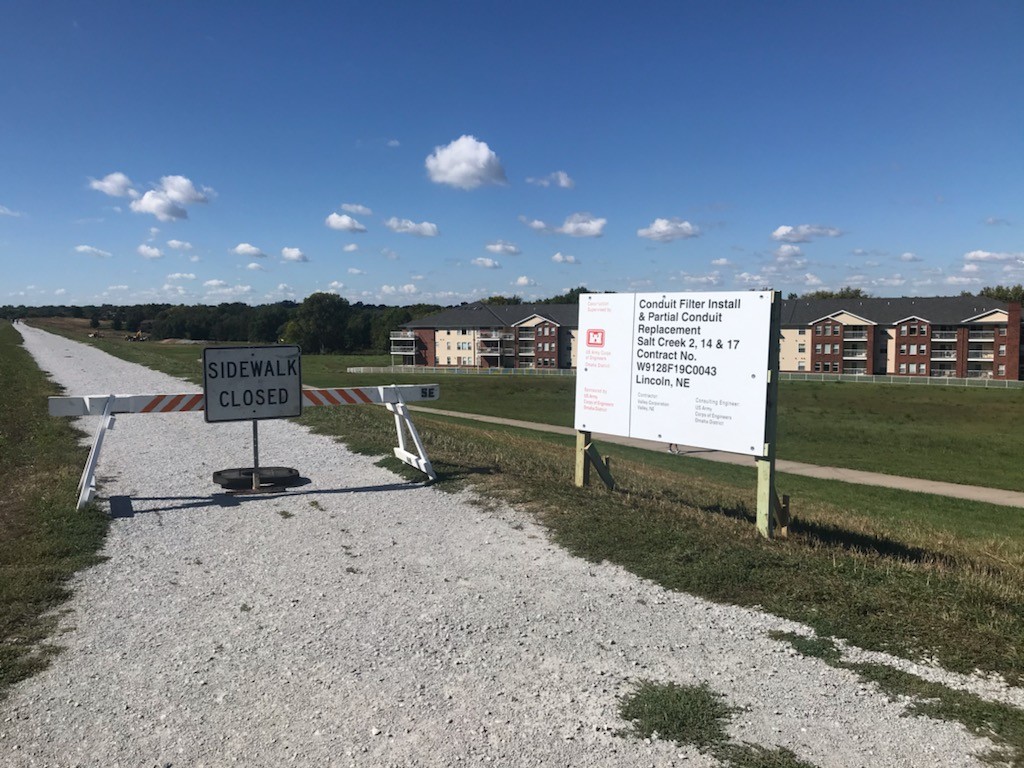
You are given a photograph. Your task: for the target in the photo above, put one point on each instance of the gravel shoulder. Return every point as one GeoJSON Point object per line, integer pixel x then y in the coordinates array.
{"type": "Point", "coordinates": [364, 620]}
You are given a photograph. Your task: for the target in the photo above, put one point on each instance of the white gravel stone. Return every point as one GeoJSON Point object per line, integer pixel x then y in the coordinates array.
{"type": "Point", "coordinates": [385, 623]}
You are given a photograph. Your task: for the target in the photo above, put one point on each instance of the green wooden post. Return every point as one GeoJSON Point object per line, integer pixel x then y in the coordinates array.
{"type": "Point", "coordinates": [766, 492]}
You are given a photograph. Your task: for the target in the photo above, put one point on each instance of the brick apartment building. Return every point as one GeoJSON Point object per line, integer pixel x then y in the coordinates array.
{"type": "Point", "coordinates": [956, 336]}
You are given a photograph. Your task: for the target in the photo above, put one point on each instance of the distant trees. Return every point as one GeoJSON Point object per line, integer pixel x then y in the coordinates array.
{"type": "Point", "coordinates": [1004, 292]}
{"type": "Point", "coordinates": [843, 293]}
{"type": "Point", "coordinates": [569, 297]}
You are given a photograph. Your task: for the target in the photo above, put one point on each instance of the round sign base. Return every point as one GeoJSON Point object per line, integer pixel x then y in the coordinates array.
{"type": "Point", "coordinates": [270, 477]}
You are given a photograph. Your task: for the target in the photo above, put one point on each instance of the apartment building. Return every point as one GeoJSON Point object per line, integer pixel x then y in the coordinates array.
{"type": "Point", "coordinates": [490, 336]}
{"type": "Point", "coordinates": [956, 336]}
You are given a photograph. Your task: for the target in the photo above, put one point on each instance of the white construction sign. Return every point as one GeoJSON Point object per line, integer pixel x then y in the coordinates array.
{"type": "Point", "coordinates": [245, 383]}
{"type": "Point", "coordinates": [685, 368]}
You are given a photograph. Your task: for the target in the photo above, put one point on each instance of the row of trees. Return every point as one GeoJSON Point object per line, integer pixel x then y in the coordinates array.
{"type": "Point", "coordinates": [322, 323]}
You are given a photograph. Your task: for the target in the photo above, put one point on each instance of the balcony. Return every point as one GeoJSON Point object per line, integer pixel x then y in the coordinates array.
{"type": "Point", "coordinates": [526, 350]}
{"type": "Point", "coordinates": [855, 335]}
{"type": "Point", "coordinates": [398, 348]}
{"type": "Point", "coordinates": [495, 336]}
{"type": "Point", "coordinates": [944, 373]}
{"type": "Point", "coordinates": [855, 370]}
{"type": "Point", "coordinates": [979, 373]}
{"type": "Point", "coordinates": [527, 334]}
{"type": "Point", "coordinates": [980, 354]}
{"type": "Point", "coordinates": [943, 354]}
{"type": "Point", "coordinates": [855, 354]}
{"type": "Point", "coordinates": [943, 335]}
{"type": "Point", "coordinates": [402, 335]}
{"type": "Point", "coordinates": [981, 336]}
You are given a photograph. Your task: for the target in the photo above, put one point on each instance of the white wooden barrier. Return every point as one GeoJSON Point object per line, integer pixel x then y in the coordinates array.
{"type": "Point", "coordinates": [393, 398]}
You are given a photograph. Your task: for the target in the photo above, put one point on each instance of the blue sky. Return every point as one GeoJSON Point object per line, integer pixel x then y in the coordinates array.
{"type": "Point", "coordinates": [199, 152]}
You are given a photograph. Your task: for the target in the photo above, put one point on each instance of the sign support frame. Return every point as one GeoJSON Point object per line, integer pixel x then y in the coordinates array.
{"type": "Point", "coordinates": [770, 510]}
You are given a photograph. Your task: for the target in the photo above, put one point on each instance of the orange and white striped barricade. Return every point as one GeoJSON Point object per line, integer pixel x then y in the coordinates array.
{"type": "Point", "coordinates": [393, 397]}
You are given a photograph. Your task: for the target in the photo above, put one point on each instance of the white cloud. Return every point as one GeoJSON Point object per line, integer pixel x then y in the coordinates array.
{"type": "Point", "coordinates": [803, 233]}
{"type": "Point", "coordinates": [249, 251]}
{"type": "Point", "coordinates": [60, 291]}
{"type": "Point", "coordinates": [388, 254]}
{"type": "Point", "coordinates": [344, 222]}
{"type": "Point", "coordinates": [167, 202]}
{"type": "Point", "coordinates": [423, 229]}
{"type": "Point", "coordinates": [667, 230]}
{"type": "Point", "coordinates": [535, 224]}
{"type": "Point", "coordinates": [255, 266]}
{"type": "Point", "coordinates": [234, 291]}
{"type": "Point", "coordinates": [355, 271]}
{"type": "Point", "coordinates": [388, 290]}
{"type": "Point", "coordinates": [970, 268]}
{"type": "Point", "coordinates": [393, 143]}
{"type": "Point", "coordinates": [5, 211]}
{"type": "Point", "coordinates": [90, 251]}
{"type": "Point", "coordinates": [465, 163]}
{"type": "Point", "coordinates": [560, 258]}
{"type": "Point", "coordinates": [500, 246]}
{"type": "Point", "coordinates": [214, 284]}
{"type": "Point", "coordinates": [181, 276]}
{"type": "Point", "coordinates": [811, 281]}
{"type": "Point", "coordinates": [720, 262]}
{"type": "Point", "coordinates": [117, 287]}
{"type": "Point", "coordinates": [179, 245]}
{"type": "Point", "coordinates": [350, 248]}
{"type": "Point", "coordinates": [293, 254]}
{"type": "Point", "coordinates": [992, 256]}
{"type": "Point", "coordinates": [114, 184]}
{"type": "Point", "coordinates": [524, 282]}
{"type": "Point", "coordinates": [358, 210]}
{"type": "Point", "coordinates": [486, 263]}
{"type": "Point", "coordinates": [889, 282]}
{"type": "Point", "coordinates": [583, 225]}
{"type": "Point", "coordinates": [335, 285]}
{"type": "Point", "coordinates": [748, 278]}
{"type": "Point", "coordinates": [150, 252]}
{"type": "Point", "coordinates": [558, 179]}
{"type": "Point", "coordinates": [996, 221]}
{"type": "Point", "coordinates": [194, 258]}
{"type": "Point", "coordinates": [954, 280]}
{"type": "Point", "coordinates": [711, 279]}
{"type": "Point", "coordinates": [787, 252]}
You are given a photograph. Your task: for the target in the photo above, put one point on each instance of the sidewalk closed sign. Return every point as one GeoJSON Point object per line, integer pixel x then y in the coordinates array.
{"type": "Point", "coordinates": [245, 383]}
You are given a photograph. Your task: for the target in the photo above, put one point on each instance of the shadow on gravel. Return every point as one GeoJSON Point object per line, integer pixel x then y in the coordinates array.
{"type": "Point", "coordinates": [124, 506]}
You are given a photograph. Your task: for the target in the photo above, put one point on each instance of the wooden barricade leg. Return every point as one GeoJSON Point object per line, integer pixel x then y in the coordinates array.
{"type": "Point", "coordinates": [587, 455]}
{"type": "Point", "coordinates": [419, 459]}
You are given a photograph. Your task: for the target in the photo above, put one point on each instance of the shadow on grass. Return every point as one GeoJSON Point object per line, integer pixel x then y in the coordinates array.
{"type": "Point", "coordinates": [866, 543]}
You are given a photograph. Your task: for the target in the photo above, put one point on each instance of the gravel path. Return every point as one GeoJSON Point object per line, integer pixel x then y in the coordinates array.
{"type": "Point", "coordinates": [362, 620]}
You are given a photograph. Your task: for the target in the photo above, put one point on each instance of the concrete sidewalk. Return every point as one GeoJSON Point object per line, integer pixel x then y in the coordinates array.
{"type": "Point", "coordinates": [856, 476]}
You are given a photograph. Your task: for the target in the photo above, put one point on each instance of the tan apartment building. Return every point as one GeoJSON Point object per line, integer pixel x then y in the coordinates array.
{"type": "Point", "coordinates": [951, 336]}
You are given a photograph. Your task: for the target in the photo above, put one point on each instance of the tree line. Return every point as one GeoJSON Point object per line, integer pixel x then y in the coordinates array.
{"type": "Point", "coordinates": [323, 323]}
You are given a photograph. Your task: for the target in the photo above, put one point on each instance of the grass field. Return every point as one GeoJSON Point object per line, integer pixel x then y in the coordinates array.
{"type": "Point", "coordinates": [43, 539]}
{"type": "Point", "coordinates": [915, 575]}
{"type": "Point", "coordinates": [949, 434]}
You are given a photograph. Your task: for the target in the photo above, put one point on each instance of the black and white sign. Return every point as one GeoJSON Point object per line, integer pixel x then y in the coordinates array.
{"type": "Point", "coordinates": [245, 383]}
{"type": "Point", "coordinates": [686, 368]}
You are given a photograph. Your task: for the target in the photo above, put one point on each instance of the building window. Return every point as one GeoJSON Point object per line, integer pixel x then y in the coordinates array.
{"type": "Point", "coordinates": [924, 330]}
{"type": "Point", "coordinates": [903, 349]}
{"type": "Point", "coordinates": [1001, 370]}
{"type": "Point", "coordinates": [817, 367]}
{"type": "Point", "coordinates": [903, 367]}
{"type": "Point", "coordinates": [801, 366]}
{"type": "Point", "coordinates": [1002, 330]}
{"type": "Point", "coordinates": [913, 368]}
{"type": "Point", "coordinates": [913, 330]}
{"type": "Point", "coordinates": [802, 332]}
{"type": "Point", "coordinates": [817, 330]}
{"type": "Point", "coordinates": [1002, 350]}
{"type": "Point", "coordinates": [463, 332]}
{"type": "Point", "coordinates": [801, 348]}
{"type": "Point", "coordinates": [923, 349]}
{"type": "Point", "coordinates": [836, 331]}
{"type": "Point", "coordinates": [828, 349]}
{"type": "Point", "coordinates": [828, 330]}
{"type": "Point", "coordinates": [913, 348]}
{"type": "Point", "coordinates": [903, 330]}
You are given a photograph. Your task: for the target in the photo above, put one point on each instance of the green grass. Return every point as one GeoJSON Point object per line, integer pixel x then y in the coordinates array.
{"type": "Point", "coordinates": [960, 435]}
{"type": "Point", "coordinates": [43, 539]}
{"type": "Point", "coordinates": [697, 716]}
{"type": "Point", "coordinates": [1002, 724]}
